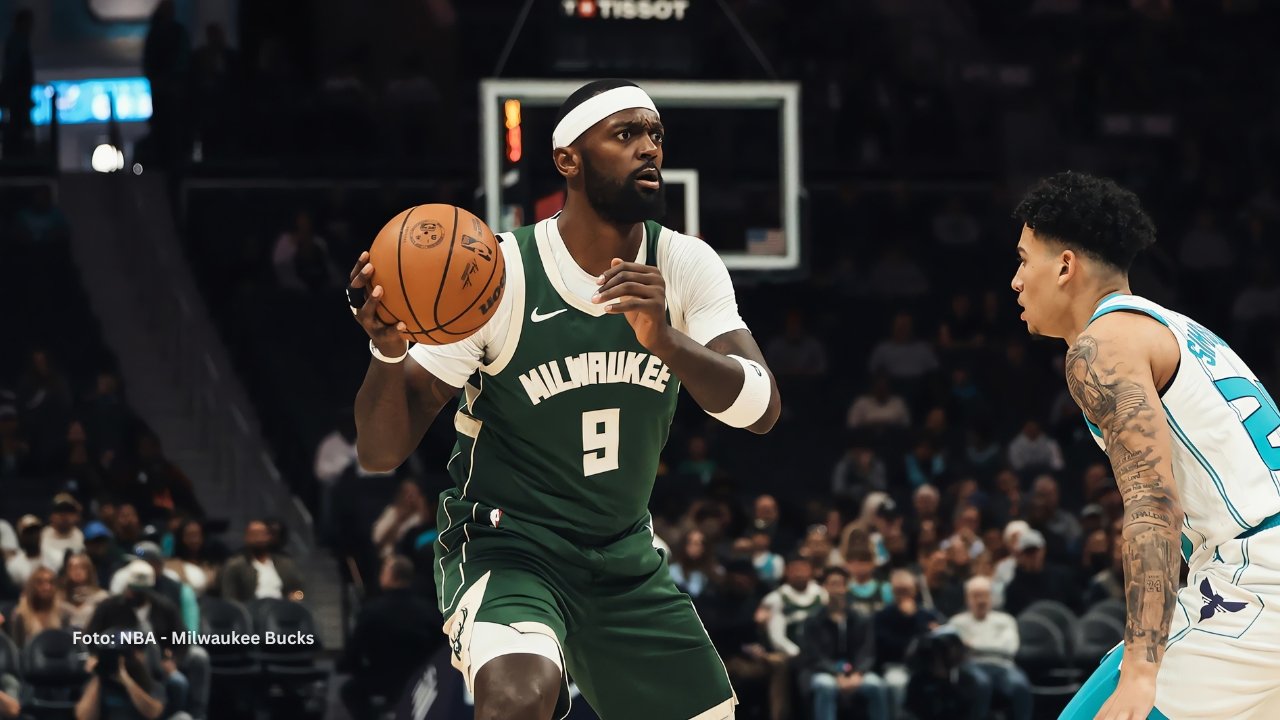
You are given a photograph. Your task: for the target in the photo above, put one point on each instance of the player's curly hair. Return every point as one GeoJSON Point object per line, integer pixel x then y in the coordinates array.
{"type": "Point", "coordinates": [1088, 214]}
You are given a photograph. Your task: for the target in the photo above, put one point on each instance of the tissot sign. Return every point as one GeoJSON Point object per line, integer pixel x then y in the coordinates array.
{"type": "Point", "coordinates": [626, 9]}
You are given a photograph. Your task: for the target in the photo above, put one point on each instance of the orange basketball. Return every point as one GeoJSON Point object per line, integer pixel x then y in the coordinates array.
{"type": "Point", "coordinates": [441, 272]}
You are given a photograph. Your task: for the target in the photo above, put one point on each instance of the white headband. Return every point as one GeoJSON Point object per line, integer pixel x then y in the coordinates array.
{"type": "Point", "coordinates": [593, 110]}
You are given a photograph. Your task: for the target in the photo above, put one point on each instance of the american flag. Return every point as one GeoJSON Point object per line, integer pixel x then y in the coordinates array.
{"type": "Point", "coordinates": [766, 241]}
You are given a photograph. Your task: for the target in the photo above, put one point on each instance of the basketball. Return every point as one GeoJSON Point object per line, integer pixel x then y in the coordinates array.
{"type": "Point", "coordinates": [441, 272]}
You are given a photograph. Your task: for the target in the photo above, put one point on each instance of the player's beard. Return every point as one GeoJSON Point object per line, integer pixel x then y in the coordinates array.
{"type": "Point", "coordinates": [622, 203]}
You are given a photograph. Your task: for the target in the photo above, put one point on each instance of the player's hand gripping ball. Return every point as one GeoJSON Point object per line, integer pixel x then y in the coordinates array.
{"type": "Point", "coordinates": [434, 275]}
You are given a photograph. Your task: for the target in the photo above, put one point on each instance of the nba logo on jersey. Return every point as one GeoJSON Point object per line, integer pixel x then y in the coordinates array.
{"type": "Point", "coordinates": [495, 515]}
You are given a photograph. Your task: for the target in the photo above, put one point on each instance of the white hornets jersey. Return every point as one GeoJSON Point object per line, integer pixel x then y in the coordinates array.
{"type": "Point", "coordinates": [1226, 435]}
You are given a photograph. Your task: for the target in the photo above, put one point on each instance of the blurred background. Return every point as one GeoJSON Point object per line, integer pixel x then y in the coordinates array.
{"type": "Point", "coordinates": [185, 184]}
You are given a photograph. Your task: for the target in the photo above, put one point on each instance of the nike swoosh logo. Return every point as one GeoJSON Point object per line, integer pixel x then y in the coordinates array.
{"type": "Point", "coordinates": [535, 317]}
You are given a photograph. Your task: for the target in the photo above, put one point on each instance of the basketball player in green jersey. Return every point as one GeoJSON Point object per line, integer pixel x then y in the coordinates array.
{"type": "Point", "coordinates": [545, 566]}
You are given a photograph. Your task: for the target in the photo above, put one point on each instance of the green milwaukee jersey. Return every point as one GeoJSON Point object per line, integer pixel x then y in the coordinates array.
{"type": "Point", "coordinates": [567, 432]}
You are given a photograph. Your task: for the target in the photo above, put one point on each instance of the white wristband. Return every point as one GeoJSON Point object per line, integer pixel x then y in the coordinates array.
{"type": "Point", "coordinates": [390, 360]}
{"type": "Point", "coordinates": [753, 398]}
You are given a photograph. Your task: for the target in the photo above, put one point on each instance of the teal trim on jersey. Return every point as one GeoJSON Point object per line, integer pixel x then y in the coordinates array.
{"type": "Point", "coordinates": [1135, 308]}
{"type": "Point", "coordinates": [1269, 523]}
{"type": "Point", "coordinates": [1098, 688]}
{"type": "Point", "coordinates": [1097, 431]}
{"type": "Point", "coordinates": [1187, 548]}
{"type": "Point", "coordinates": [1244, 549]}
{"type": "Point", "coordinates": [1217, 481]}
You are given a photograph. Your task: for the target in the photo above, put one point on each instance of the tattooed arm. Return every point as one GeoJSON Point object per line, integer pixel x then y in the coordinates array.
{"type": "Point", "coordinates": [1109, 375]}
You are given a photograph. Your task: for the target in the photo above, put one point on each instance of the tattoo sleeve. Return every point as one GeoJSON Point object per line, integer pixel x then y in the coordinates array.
{"type": "Point", "coordinates": [1121, 400]}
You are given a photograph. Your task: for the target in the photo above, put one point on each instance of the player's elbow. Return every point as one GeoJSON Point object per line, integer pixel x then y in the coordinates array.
{"type": "Point", "coordinates": [375, 460]}
{"type": "Point", "coordinates": [770, 418]}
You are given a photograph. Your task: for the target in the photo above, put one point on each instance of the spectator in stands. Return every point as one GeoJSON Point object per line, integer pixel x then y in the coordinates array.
{"type": "Point", "coordinates": [155, 485]}
{"type": "Point", "coordinates": [694, 568]}
{"type": "Point", "coordinates": [878, 409]}
{"type": "Point", "coordinates": [195, 561]}
{"type": "Point", "coordinates": [135, 604]}
{"type": "Point", "coordinates": [40, 608]}
{"type": "Point", "coordinates": [925, 503]}
{"type": "Point", "coordinates": [766, 519]}
{"type": "Point", "coordinates": [44, 402]}
{"type": "Point", "coordinates": [1047, 514]}
{"type": "Point", "coordinates": [966, 400]}
{"type": "Point", "coordinates": [1034, 579]}
{"type": "Point", "coordinates": [257, 572]}
{"type": "Point", "coordinates": [130, 694]}
{"type": "Point", "coordinates": [1108, 583]}
{"type": "Point", "coordinates": [407, 510]}
{"type": "Point", "coordinates": [1005, 504]}
{"type": "Point", "coordinates": [838, 651]}
{"type": "Point", "coordinates": [61, 536]}
{"type": "Point", "coordinates": [108, 421]}
{"type": "Point", "coordinates": [769, 565]}
{"type": "Point", "coordinates": [796, 352]}
{"type": "Point", "coordinates": [940, 589]}
{"type": "Point", "coordinates": [128, 526]}
{"type": "Point", "coordinates": [1008, 565]}
{"type": "Point", "coordinates": [8, 541]}
{"type": "Point", "coordinates": [178, 593]}
{"type": "Point", "coordinates": [1032, 451]}
{"type": "Point", "coordinates": [960, 330]}
{"type": "Point", "coordinates": [867, 593]}
{"type": "Point", "coordinates": [698, 463]}
{"type": "Point", "coordinates": [1095, 555]}
{"type": "Point", "coordinates": [925, 464]}
{"type": "Point", "coordinates": [80, 589]}
{"type": "Point", "coordinates": [784, 610]}
{"type": "Point", "coordinates": [897, 626]}
{"type": "Point", "coordinates": [15, 451]}
{"type": "Point", "coordinates": [394, 634]}
{"type": "Point", "coordinates": [23, 563]}
{"type": "Point", "coordinates": [100, 547]}
{"type": "Point", "coordinates": [955, 227]}
{"type": "Point", "coordinates": [728, 610]}
{"type": "Point", "coordinates": [858, 472]}
{"type": "Point", "coordinates": [903, 357]}
{"type": "Point", "coordinates": [820, 548]}
{"type": "Point", "coordinates": [981, 456]}
{"type": "Point", "coordinates": [992, 637]}
{"type": "Point", "coordinates": [84, 477]}
{"type": "Point", "coordinates": [301, 259]}
{"type": "Point", "coordinates": [897, 276]}
{"type": "Point", "coordinates": [967, 523]}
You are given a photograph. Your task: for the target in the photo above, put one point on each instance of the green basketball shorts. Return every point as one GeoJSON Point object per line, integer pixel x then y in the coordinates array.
{"type": "Point", "coordinates": [630, 640]}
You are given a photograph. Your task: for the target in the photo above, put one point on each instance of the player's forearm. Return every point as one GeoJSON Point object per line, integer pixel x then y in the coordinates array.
{"type": "Point", "coordinates": [1151, 567]}
{"type": "Point", "coordinates": [383, 434]}
{"type": "Point", "coordinates": [712, 378]}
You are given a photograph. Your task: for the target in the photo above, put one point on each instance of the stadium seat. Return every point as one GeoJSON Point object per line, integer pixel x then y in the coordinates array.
{"type": "Point", "coordinates": [53, 668]}
{"type": "Point", "coordinates": [1060, 615]}
{"type": "Point", "coordinates": [235, 670]}
{"type": "Point", "coordinates": [294, 684]}
{"type": "Point", "coordinates": [1096, 634]}
{"type": "Point", "coordinates": [10, 658]}
{"type": "Point", "coordinates": [1111, 608]}
{"type": "Point", "coordinates": [1044, 658]}
{"type": "Point", "coordinates": [225, 617]}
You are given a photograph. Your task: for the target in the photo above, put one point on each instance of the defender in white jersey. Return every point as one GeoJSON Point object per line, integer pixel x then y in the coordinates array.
{"type": "Point", "coordinates": [1192, 438]}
